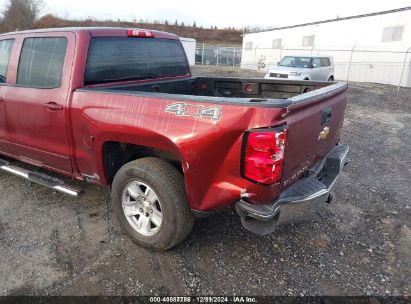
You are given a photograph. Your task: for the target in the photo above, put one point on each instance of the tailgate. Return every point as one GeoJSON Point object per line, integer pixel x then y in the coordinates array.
{"type": "Point", "coordinates": [314, 123]}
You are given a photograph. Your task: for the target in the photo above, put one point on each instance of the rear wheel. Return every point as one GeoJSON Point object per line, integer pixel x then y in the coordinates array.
{"type": "Point", "coordinates": [149, 200]}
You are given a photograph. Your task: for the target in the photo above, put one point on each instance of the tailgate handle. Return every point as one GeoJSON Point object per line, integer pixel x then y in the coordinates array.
{"type": "Point", "coordinates": [325, 115]}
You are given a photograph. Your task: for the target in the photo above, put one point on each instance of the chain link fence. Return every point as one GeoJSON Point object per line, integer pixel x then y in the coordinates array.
{"type": "Point", "coordinates": [218, 55]}
{"type": "Point", "coordinates": [355, 63]}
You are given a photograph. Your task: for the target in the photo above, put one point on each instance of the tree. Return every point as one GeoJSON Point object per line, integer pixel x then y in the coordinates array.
{"type": "Point", "coordinates": [254, 29]}
{"type": "Point", "coordinates": [166, 22]}
{"type": "Point", "coordinates": [21, 14]}
{"type": "Point", "coordinates": [176, 23]}
{"type": "Point", "coordinates": [182, 23]}
{"type": "Point", "coordinates": [194, 24]}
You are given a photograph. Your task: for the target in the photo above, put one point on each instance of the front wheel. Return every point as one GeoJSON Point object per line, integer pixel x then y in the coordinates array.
{"type": "Point", "coordinates": [149, 200]}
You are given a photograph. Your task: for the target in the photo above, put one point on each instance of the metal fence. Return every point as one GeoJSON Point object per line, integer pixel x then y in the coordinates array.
{"type": "Point", "coordinates": [218, 55]}
{"type": "Point", "coordinates": [356, 63]}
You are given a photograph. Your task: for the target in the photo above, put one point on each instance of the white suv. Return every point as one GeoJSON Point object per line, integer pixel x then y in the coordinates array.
{"type": "Point", "coordinates": [319, 68]}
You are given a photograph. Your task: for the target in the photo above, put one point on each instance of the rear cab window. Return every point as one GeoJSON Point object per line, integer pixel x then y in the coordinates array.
{"type": "Point", "coordinates": [114, 59]}
{"type": "Point", "coordinates": [41, 62]}
{"type": "Point", "coordinates": [6, 47]}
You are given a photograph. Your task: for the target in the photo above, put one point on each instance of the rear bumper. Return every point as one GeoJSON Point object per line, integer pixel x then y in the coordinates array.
{"type": "Point", "coordinates": [315, 187]}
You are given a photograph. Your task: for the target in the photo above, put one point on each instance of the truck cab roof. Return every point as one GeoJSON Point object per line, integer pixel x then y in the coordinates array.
{"type": "Point", "coordinates": [95, 31]}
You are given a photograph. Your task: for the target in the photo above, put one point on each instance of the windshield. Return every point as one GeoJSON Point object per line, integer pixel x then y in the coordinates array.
{"type": "Point", "coordinates": [295, 62]}
{"type": "Point", "coordinates": [112, 59]}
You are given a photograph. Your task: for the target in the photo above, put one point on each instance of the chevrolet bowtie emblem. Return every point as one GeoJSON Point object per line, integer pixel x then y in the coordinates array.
{"type": "Point", "coordinates": [324, 133]}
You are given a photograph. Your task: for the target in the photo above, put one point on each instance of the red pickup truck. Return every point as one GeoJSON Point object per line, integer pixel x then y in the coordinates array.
{"type": "Point", "coordinates": [119, 108]}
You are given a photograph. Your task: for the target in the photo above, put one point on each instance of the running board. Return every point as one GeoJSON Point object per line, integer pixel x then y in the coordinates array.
{"type": "Point", "coordinates": [39, 178]}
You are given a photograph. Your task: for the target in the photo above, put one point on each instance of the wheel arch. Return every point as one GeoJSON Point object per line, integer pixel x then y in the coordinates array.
{"type": "Point", "coordinates": [115, 154]}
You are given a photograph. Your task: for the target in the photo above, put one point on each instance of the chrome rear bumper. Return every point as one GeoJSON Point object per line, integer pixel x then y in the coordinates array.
{"type": "Point", "coordinates": [315, 187]}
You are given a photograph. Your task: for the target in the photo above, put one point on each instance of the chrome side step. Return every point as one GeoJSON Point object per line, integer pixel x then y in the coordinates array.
{"type": "Point", "coordinates": [39, 178]}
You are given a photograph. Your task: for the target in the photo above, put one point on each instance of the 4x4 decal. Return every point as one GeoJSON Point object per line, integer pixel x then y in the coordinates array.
{"type": "Point", "coordinates": [184, 109]}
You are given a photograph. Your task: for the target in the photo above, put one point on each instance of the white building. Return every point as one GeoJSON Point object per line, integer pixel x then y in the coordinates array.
{"type": "Point", "coordinates": [371, 48]}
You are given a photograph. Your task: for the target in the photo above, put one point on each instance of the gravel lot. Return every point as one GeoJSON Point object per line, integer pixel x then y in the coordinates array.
{"type": "Point", "coordinates": [360, 244]}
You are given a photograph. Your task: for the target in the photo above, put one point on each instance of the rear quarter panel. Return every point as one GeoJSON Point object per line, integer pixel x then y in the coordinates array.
{"type": "Point", "coordinates": [209, 151]}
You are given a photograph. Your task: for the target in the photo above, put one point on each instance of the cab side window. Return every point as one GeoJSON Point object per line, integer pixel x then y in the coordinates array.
{"type": "Point", "coordinates": [5, 53]}
{"type": "Point", "coordinates": [41, 62]}
{"type": "Point", "coordinates": [325, 62]}
{"type": "Point", "coordinates": [316, 62]}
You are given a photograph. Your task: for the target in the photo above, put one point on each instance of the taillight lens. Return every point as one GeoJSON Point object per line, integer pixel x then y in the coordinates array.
{"type": "Point", "coordinates": [263, 155]}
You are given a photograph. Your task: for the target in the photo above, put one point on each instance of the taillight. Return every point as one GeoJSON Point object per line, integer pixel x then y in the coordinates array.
{"type": "Point", "coordinates": [263, 155]}
{"type": "Point", "coordinates": [140, 33]}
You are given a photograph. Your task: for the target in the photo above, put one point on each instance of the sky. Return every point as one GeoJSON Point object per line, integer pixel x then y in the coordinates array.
{"type": "Point", "coordinates": [264, 13]}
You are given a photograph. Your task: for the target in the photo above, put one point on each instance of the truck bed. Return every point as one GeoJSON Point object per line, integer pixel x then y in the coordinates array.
{"type": "Point", "coordinates": [307, 108]}
{"type": "Point", "coordinates": [251, 91]}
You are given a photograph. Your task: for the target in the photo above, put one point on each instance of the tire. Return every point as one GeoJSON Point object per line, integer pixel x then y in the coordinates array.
{"type": "Point", "coordinates": [169, 200]}
{"type": "Point", "coordinates": [306, 79]}
{"type": "Point", "coordinates": [331, 78]}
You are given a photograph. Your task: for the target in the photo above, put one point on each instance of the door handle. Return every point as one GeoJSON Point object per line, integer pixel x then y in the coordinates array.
{"type": "Point", "coordinates": [52, 106]}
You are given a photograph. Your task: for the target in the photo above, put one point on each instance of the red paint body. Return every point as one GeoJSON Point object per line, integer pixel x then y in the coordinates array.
{"type": "Point", "coordinates": [71, 141]}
